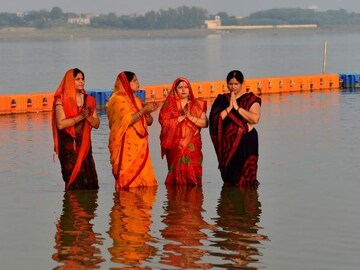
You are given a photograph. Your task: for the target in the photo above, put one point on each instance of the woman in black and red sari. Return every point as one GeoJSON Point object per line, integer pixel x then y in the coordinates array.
{"type": "Point", "coordinates": [232, 119]}
{"type": "Point", "coordinates": [74, 116]}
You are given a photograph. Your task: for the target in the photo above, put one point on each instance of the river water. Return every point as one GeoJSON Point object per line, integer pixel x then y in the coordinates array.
{"type": "Point", "coordinates": [304, 215]}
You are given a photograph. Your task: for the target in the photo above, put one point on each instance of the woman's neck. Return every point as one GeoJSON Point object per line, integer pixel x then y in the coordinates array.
{"type": "Point", "coordinates": [239, 94]}
{"type": "Point", "coordinates": [184, 101]}
{"type": "Point", "coordinates": [79, 99]}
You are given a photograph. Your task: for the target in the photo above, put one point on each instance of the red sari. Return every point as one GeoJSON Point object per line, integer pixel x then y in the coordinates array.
{"type": "Point", "coordinates": [181, 142]}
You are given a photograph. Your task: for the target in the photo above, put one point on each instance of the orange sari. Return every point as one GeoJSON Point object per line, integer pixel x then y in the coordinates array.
{"type": "Point", "coordinates": [181, 142]}
{"type": "Point", "coordinates": [128, 144]}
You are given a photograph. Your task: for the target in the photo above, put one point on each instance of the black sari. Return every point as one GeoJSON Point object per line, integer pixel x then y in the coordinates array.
{"type": "Point", "coordinates": [69, 149]}
{"type": "Point", "coordinates": [236, 147]}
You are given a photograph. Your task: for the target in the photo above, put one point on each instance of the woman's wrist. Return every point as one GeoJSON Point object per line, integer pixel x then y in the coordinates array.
{"type": "Point", "coordinates": [90, 119]}
{"type": "Point", "coordinates": [194, 119]}
{"type": "Point", "coordinates": [78, 118]}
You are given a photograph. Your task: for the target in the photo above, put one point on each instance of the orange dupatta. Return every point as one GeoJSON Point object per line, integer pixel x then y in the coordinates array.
{"type": "Point", "coordinates": [66, 91]}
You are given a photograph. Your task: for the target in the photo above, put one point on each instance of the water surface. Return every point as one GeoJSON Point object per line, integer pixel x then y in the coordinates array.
{"type": "Point", "coordinates": [304, 214]}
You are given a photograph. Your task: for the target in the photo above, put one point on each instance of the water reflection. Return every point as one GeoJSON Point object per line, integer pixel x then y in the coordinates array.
{"type": "Point", "coordinates": [22, 137]}
{"type": "Point", "coordinates": [75, 239]}
{"type": "Point", "coordinates": [184, 225]}
{"type": "Point", "coordinates": [130, 222]}
{"type": "Point", "coordinates": [237, 237]}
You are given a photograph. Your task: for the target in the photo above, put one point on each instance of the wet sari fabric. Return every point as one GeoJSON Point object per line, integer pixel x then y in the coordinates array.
{"type": "Point", "coordinates": [73, 144]}
{"type": "Point", "coordinates": [181, 142]}
{"type": "Point", "coordinates": [236, 147]}
{"type": "Point", "coordinates": [128, 144]}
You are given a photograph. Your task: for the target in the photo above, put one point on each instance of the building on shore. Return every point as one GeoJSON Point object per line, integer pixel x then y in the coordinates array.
{"type": "Point", "coordinates": [84, 19]}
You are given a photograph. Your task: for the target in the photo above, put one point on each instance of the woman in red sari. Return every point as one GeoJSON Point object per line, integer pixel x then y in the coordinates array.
{"type": "Point", "coordinates": [181, 118]}
{"type": "Point", "coordinates": [232, 119]}
{"type": "Point", "coordinates": [129, 119]}
{"type": "Point", "coordinates": [74, 116]}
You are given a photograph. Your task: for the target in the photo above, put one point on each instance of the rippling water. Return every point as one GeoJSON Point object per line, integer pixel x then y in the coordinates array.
{"type": "Point", "coordinates": [38, 66]}
{"type": "Point", "coordinates": [304, 215]}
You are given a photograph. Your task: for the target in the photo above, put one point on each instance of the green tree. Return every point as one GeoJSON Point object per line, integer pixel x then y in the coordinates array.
{"type": "Point", "coordinates": [227, 20]}
{"type": "Point", "coordinates": [11, 20]}
{"type": "Point", "coordinates": [56, 13]}
{"type": "Point", "coordinates": [38, 19]}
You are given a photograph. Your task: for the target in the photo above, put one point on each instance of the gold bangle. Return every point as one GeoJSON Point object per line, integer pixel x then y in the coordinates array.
{"type": "Point", "coordinates": [140, 114]}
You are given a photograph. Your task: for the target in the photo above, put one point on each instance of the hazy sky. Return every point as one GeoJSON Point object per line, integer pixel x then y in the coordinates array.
{"type": "Point", "coordinates": [232, 7]}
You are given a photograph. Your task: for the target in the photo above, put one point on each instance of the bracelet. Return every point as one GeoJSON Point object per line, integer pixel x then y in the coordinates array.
{"type": "Point", "coordinates": [140, 114]}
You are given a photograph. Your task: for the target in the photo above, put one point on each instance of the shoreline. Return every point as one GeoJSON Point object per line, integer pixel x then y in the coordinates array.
{"type": "Point", "coordinates": [87, 32]}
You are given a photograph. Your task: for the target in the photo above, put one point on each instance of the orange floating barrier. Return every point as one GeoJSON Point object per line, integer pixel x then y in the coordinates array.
{"type": "Point", "coordinates": [37, 102]}
{"type": "Point", "coordinates": [26, 103]}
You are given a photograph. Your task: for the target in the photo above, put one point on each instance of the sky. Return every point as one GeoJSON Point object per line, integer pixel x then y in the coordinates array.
{"type": "Point", "coordinates": [126, 7]}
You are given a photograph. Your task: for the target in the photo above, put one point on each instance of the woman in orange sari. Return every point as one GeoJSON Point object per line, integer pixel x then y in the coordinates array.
{"type": "Point", "coordinates": [129, 119]}
{"type": "Point", "coordinates": [74, 116]}
{"type": "Point", "coordinates": [181, 118]}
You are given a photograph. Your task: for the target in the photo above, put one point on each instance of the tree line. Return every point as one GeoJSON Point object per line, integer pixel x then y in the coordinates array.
{"type": "Point", "coordinates": [182, 17]}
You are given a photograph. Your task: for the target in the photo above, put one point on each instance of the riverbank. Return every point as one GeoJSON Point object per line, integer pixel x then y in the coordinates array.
{"type": "Point", "coordinates": [80, 32]}
{"type": "Point", "coordinates": [88, 32]}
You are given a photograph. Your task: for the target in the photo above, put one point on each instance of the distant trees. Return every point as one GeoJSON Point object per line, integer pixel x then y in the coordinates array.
{"type": "Point", "coordinates": [56, 13]}
{"type": "Point", "coordinates": [182, 17]}
{"type": "Point", "coordinates": [10, 19]}
{"type": "Point", "coordinates": [282, 16]}
{"type": "Point", "coordinates": [339, 17]}
{"type": "Point", "coordinates": [179, 18]}
{"type": "Point", "coordinates": [301, 16]}
{"type": "Point", "coordinates": [228, 20]}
